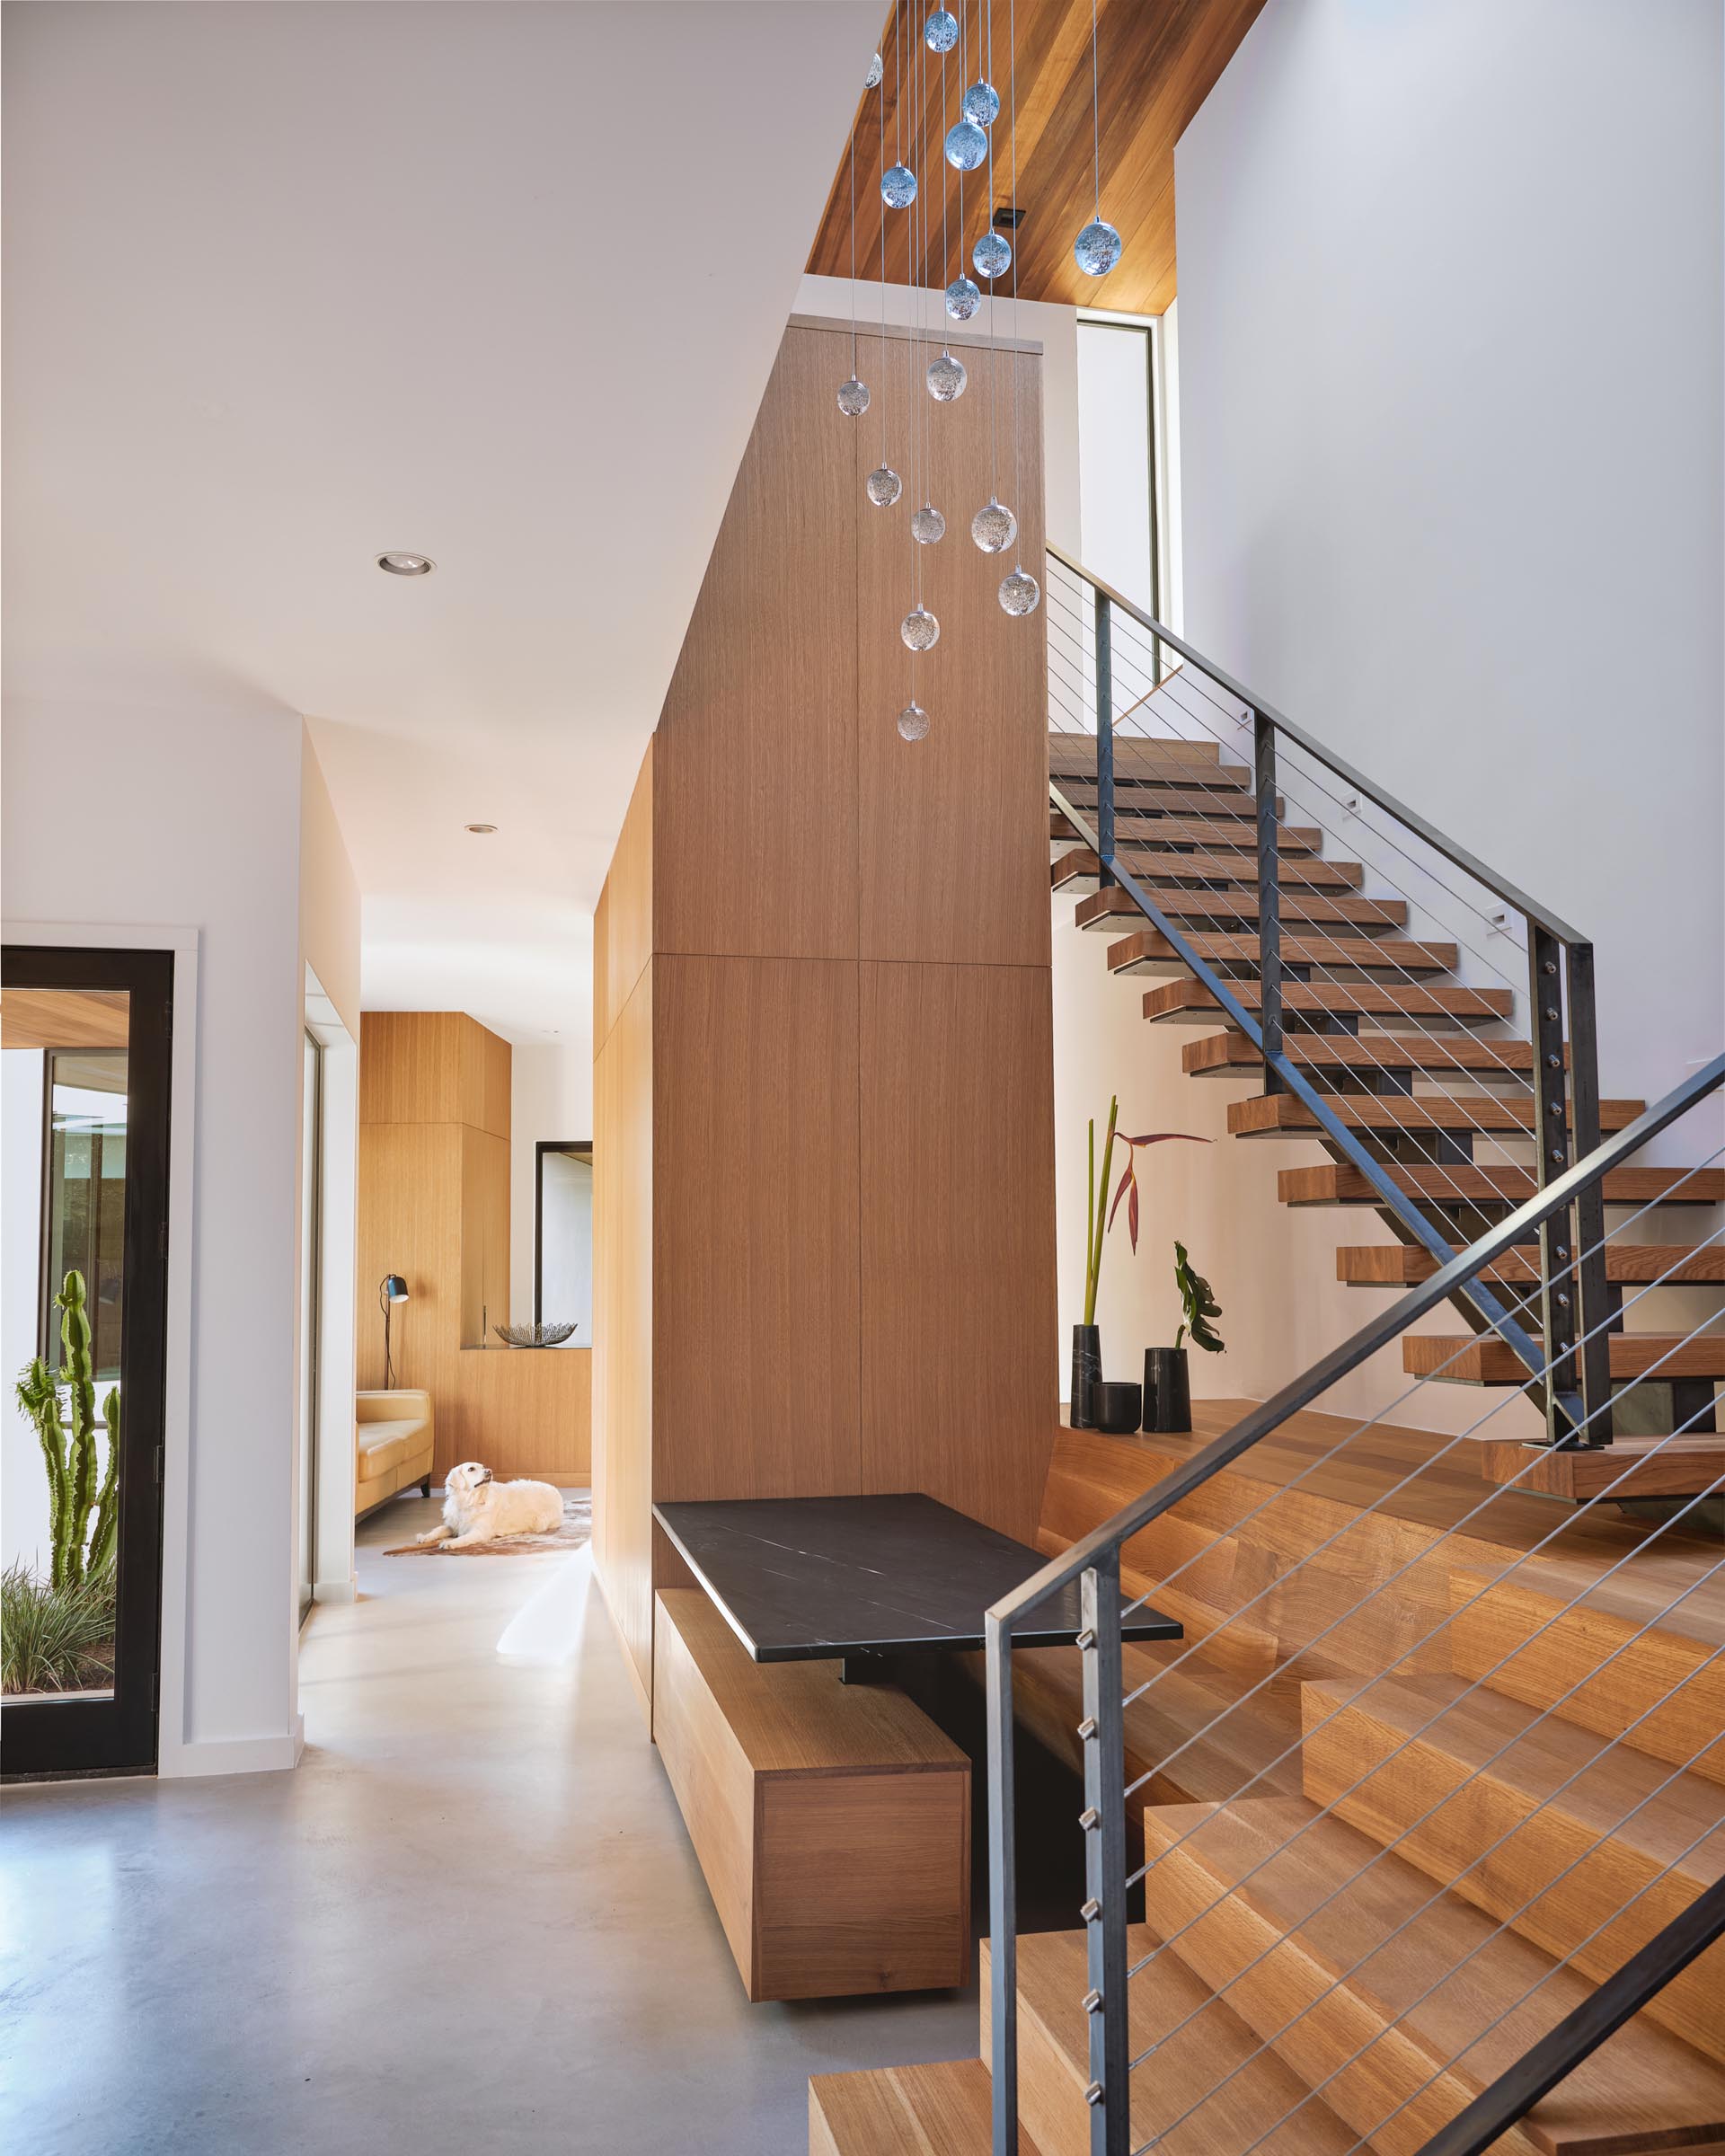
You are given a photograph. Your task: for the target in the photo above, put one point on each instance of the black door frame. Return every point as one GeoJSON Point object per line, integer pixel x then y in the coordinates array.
{"type": "Point", "coordinates": [118, 1736]}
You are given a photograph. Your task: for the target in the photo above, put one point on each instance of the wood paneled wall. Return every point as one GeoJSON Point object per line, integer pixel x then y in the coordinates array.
{"type": "Point", "coordinates": [434, 1205]}
{"type": "Point", "coordinates": [824, 1152]}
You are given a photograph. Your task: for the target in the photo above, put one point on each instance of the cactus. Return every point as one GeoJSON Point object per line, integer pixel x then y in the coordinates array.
{"type": "Point", "coordinates": [72, 1484]}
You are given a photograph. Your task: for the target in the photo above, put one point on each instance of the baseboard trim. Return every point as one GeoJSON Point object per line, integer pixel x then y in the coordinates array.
{"type": "Point", "coordinates": [335, 1590]}
{"type": "Point", "coordinates": [234, 1755]}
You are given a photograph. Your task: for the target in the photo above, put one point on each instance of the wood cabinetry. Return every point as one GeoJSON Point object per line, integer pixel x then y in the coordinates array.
{"type": "Point", "coordinates": [434, 1206]}
{"type": "Point", "coordinates": [823, 1126]}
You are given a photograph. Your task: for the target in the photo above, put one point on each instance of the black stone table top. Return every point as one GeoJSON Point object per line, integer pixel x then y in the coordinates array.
{"type": "Point", "coordinates": [805, 1579]}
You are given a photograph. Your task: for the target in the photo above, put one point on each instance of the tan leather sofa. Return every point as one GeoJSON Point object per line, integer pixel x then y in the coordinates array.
{"type": "Point", "coordinates": [392, 1444]}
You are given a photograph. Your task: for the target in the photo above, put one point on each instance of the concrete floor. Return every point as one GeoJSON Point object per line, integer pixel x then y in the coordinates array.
{"type": "Point", "coordinates": [470, 1920]}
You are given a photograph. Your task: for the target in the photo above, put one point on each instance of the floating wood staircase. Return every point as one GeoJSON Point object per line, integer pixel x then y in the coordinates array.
{"type": "Point", "coordinates": [1422, 1067]}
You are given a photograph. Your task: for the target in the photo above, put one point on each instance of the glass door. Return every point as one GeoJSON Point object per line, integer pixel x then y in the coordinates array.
{"type": "Point", "coordinates": [84, 1045]}
{"type": "Point", "coordinates": [310, 1234]}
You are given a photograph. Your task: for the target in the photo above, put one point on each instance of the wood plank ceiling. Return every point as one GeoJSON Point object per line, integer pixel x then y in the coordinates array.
{"type": "Point", "coordinates": [1157, 62]}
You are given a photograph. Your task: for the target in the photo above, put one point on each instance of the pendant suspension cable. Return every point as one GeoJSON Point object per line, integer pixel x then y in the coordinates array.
{"type": "Point", "coordinates": [993, 348]}
{"type": "Point", "coordinates": [1095, 113]}
{"type": "Point", "coordinates": [882, 370]}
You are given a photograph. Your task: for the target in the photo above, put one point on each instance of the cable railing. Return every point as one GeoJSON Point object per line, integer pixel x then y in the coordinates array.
{"type": "Point", "coordinates": [1321, 977]}
{"type": "Point", "coordinates": [1428, 1803]}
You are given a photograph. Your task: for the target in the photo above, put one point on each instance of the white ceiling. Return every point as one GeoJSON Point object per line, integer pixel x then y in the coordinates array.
{"type": "Point", "coordinates": [289, 284]}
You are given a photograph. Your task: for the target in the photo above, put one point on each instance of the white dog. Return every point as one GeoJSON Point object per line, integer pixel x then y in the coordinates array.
{"type": "Point", "coordinates": [478, 1509]}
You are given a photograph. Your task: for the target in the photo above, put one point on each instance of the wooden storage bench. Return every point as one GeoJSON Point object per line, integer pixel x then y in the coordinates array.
{"type": "Point", "coordinates": [832, 1821]}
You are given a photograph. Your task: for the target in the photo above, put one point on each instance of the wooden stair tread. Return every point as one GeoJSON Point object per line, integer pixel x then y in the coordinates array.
{"type": "Point", "coordinates": [1190, 999]}
{"type": "Point", "coordinates": [1338, 1183]}
{"type": "Point", "coordinates": [1386, 1953]}
{"type": "Point", "coordinates": [1103, 910]}
{"type": "Point", "coordinates": [1237, 866]}
{"type": "Point", "coordinates": [1627, 1264]}
{"type": "Point", "coordinates": [1631, 1467]}
{"type": "Point", "coordinates": [1483, 1359]}
{"type": "Point", "coordinates": [1267, 1115]}
{"type": "Point", "coordinates": [1172, 830]}
{"type": "Point", "coordinates": [938, 2110]}
{"type": "Point", "coordinates": [1489, 1797]}
{"type": "Point", "coordinates": [1053, 2065]}
{"type": "Point", "coordinates": [1175, 797]}
{"type": "Point", "coordinates": [1075, 754]}
{"type": "Point", "coordinates": [1223, 1054]}
{"type": "Point", "coordinates": [1149, 951]}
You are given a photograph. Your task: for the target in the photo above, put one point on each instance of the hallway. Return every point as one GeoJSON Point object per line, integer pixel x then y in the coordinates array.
{"type": "Point", "coordinates": [470, 1920]}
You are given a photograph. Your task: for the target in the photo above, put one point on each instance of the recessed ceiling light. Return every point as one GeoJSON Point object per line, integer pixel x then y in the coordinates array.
{"type": "Point", "coordinates": [482, 829]}
{"type": "Point", "coordinates": [407, 565]}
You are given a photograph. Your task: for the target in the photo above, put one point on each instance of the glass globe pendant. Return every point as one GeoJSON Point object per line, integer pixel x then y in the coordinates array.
{"type": "Point", "coordinates": [871, 80]}
{"type": "Point", "coordinates": [913, 721]}
{"type": "Point", "coordinates": [853, 398]}
{"type": "Point", "coordinates": [941, 32]}
{"type": "Point", "coordinates": [962, 299]}
{"type": "Point", "coordinates": [1020, 594]}
{"type": "Point", "coordinates": [1097, 248]}
{"type": "Point", "coordinates": [927, 524]}
{"type": "Point", "coordinates": [898, 187]}
{"type": "Point", "coordinates": [884, 486]}
{"type": "Point", "coordinates": [991, 257]}
{"type": "Point", "coordinates": [994, 527]}
{"type": "Point", "coordinates": [946, 378]}
{"type": "Point", "coordinates": [981, 104]}
{"type": "Point", "coordinates": [966, 147]}
{"type": "Point", "coordinates": [920, 630]}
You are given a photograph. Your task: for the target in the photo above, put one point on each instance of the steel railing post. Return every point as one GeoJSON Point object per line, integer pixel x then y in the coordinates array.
{"type": "Point", "coordinates": [1270, 900]}
{"type": "Point", "coordinates": [1105, 735]}
{"type": "Point", "coordinates": [1003, 1886]}
{"type": "Point", "coordinates": [1550, 1139]}
{"type": "Point", "coordinates": [1597, 1317]}
{"type": "Point", "coordinates": [1102, 1730]}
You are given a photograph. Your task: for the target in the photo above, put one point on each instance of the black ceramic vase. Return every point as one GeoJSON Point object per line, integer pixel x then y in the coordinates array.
{"type": "Point", "coordinates": [1087, 1371]}
{"type": "Point", "coordinates": [1167, 1389]}
{"type": "Point", "coordinates": [1115, 1407]}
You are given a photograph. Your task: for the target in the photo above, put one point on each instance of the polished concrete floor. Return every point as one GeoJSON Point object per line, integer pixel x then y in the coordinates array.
{"type": "Point", "coordinates": [470, 1920]}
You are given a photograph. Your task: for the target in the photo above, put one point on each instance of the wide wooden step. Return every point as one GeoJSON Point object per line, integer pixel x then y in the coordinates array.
{"type": "Point", "coordinates": [1188, 797]}
{"type": "Point", "coordinates": [1680, 1466]}
{"type": "Point", "coordinates": [1280, 1115]}
{"type": "Point", "coordinates": [1104, 910]}
{"type": "Point", "coordinates": [1551, 1633]}
{"type": "Point", "coordinates": [1189, 1002]}
{"type": "Point", "coordinates": [1345, 1972]}
{"type": "Point", "coordinates": [1148, 950]}
{"type": "Point", "coordinates": [1073, 756]}
{"type": "Point", "coordinates": [1628, 1264]}
{"type": "Point", "coordinates": [1585, 1848]}
{"type": "Point", "coordinates": [939, 2110]}
{"type": "Point", "coordinates": [1192, 2061]}
{"type": "Point", "coordinates": [1238, 865]}
{"type": "Point", "coordinates": [1467, 1359]}
{"type": "Point", "coordinates": [1335, 1183]}
{"type": "Point", "coordinates": [1223, 1054]}
{"type": "Point", "coordinates": [1195, 831]}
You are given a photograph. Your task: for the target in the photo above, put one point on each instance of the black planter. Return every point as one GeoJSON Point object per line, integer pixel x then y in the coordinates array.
{"type": "Point", "coordinates": [1115, 1407]}
{"type": "Point", "coordinates": [1087, 1371]}
{"type": "Point", "coordinates": [1167, 1389]}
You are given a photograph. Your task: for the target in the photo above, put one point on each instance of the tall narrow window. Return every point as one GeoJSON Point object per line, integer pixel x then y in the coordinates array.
{"type": "Point", "coordinates": [1117, 443]}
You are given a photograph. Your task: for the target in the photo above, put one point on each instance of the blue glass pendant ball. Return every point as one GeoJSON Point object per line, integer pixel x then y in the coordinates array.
{"type": "Point", "coordinates": [994, 527]}
{"type": "Point", "coordinates": [966, 147]}
{"type": "Point", "coordinates": [853, 398]}
{"type": "Point", "coordinates": [884, 486]}
{"type": "Point", "coordinates": [1097, 248]}
{"type": "Point", "coordinates": [946, 378]}
{"type": "Point", "coordinates": [962, 299]}
{"type": "Point", "coordinates": [920, 630]}
{"type": "Point", "coordinates": [991, 257]}
{"type": "Point", "coordinates": [941, 32]}
{"type": "Point", "coordinates": [898, 187]}
{"type": "Point", "coordinates": [1020, 593]}
{"type": "Point", "coordinates": [927, 526]}
{"type": "Point", "coordinates": [982, 104]}
{"type": "Point", "coordinates": [913, 723]}
{"type": "Point", "coordinates": [871, 80]}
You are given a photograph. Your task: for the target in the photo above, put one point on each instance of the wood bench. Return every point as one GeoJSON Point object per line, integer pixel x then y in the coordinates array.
{"type": "Point", "coordinates": [832, 1821]}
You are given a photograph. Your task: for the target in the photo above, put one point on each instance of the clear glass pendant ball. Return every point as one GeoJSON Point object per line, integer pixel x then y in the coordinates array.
{"type": "Point", "coordinates": [853, 398]}
{"type": "Point", "coordinates": [927, 524]}
{"type": "Point", "coordinates": [946, 378]}
{"type": "Point", "coordinates": [1097, 248]}
{"type": "Point", "coordinates": [962, 299]}
{"type": "Point", "coordinates": [913, 723]}
{"type": "Point", "coordinates": [920, 630]}
{"type": "Point", "coordinates": [884, 486]}
{"type": "Point", "coordinates": [898, 187]}
{"type": "Point", "coordinates": [991, 257]}
{"type": "Point", "coordinates": [871, 80]}
{"type": "Point", "coordinates": [994, 527]}
{"type": "Point", "coordinates": [1020, 593]}
{"type": "Point", "coordinates": [966, 147]}
{"type": "Point", "coordinates": [982, 104]}
{"type": "Point", "coordinates": [941, 32]}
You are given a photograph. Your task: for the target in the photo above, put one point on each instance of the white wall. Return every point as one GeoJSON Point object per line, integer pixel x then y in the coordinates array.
{"type": "Point", "coordinates": [1451, 438]}
{"type": "Point", "coordinates": [551, 1096]}
{"type": "Point", "coordinates": [197, 826]}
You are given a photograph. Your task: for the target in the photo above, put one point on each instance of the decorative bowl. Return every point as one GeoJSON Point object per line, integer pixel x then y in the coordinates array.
{"type": "Point", "coordinates": [533, 1335]}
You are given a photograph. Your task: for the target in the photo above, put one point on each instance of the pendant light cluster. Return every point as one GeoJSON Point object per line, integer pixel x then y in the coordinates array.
{"type": "Point", "coordinates": [967, 144]}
